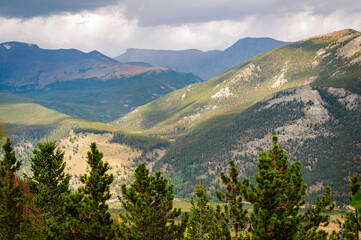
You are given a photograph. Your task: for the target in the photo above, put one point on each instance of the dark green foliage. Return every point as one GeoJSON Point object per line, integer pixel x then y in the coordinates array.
{"type": "Point", "coordinates": [84, 219]}
{"type": "Point", "coordinates": [314, 217]}
{"type": "Point", "coordinates": [144, 143]}
{"type": "Point", "coordinates": [9, 165]}
{"type": "Point", "coordinates": [148, 205]}
{"type": "Point", "coordinates": [201, 222]}
{"type": "Point", "coordinates": [89, 130]}
{"type": "Point", "coordinates": [97, 184]}
{"type": "Point", "coordinates": [86, 212]}
{"type": "Point", "coordinates": [49, 184]}
{"type": "Point", "coordinates": [354, 185]}
{"type": "Point", "coordinates": [234, 214]}
{"type": "Point", "coordinates": [220, 228]}
{"type": "Point", "coordinates": [18, 217]}
{"type": "Point", "coordinates": [277, 198]}
{"type": "Point", "coordinates": [350, 229]}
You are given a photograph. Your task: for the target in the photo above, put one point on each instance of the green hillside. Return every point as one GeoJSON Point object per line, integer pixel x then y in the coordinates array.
{"type": "Point", "coordinates": [326, 60]}
{"type": "Point", "coordinates": [104, 101]}
{"type": "Point", "coordinates": [22, 111]}
{"type": "Point", "coordinates": [308, 93]}
{"type": "Point", "coordinates": [317, 130]}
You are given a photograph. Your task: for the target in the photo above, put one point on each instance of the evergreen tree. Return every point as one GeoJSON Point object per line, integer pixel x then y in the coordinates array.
{"type": "Point", "coordinates": [86, 213]}
{"type": "Point", "coordinates": [97, 184]}
{"type": "Point", "coordinates": [314, 217]}
{"type": "Point", "coordinates": [220, 229]}
{"type": "Point", "coordinates": [352, 222]}
{"type": "Point", "coordinates": [148, 205]}
{"type": "Point", "coordinates": [234, 214]}
{"type": "Point", "coordinates": [202, 219]}
{"type": "Point", "coordinates": [350, 229]}
{"type": "Point", "coordinates": [17, 214]}
{"type": "Point", "coordinates": [49, 183]}
{"type": "Point", "coordinates": [277, 199]}
{"type": "Point", "coordinates": [9, 165]}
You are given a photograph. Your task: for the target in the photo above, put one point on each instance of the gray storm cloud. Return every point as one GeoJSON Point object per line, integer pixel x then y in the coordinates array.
{"type": "Point", "coordinates": [112, 26]}
{"type": "Point", "coordinates": [175, 12]}
{"type": "Point", "coordinates": [34, 8]}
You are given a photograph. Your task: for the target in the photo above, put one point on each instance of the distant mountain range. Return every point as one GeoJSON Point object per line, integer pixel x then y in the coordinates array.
{"type": "Point", "coordinates": [85, 85]}
{"type": "Point", "coordinates": [206, 65]}
{"type": "Point", "coordinates": [27, 65]}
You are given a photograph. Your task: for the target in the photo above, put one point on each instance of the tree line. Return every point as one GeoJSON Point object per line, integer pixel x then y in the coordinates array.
{"type": "Point", "coordinates": [41, 206]}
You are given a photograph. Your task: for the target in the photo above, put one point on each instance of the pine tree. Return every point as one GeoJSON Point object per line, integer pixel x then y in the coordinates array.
{"type": "Point", "coordinates": [277, 199]}
{"type": "Point", "coordinates": [202, 219]}
{"type": "Point", "coordinates": [148, 205]}
{"type": "Point", "coordinates": [86, 212]}
{"type": "Point", "coordinates": [220, 229]}
{"type": "Point", "coordinates": [352, 223]}
{"type": "Point", "coordinates": [350, 229]}
{"type": "Point", "coordinates": [18, 217]}
{"type": "Point", "coordinates": [49, 183]}
{"type": "Point", "coordinates": [97, 187]}
{"type": "Point", "coordinates": [234, 214]}
{"type": "Point", "coordinates": [314, 217]}
{"type": "Point", "coordinates": [97, 184]}
{"type": "Point", "coordinates": [9, 165]}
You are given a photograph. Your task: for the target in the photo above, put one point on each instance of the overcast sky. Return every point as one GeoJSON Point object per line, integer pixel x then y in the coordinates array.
{"type": "Point", "coordinates": [112, 26]}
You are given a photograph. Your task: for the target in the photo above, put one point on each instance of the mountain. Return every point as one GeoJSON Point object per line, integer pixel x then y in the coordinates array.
{"type": "Point", "coordinates": [308, 93]}
{"type": "Point", "coordinates": [27, 65]}
{"type": "Point", "coordinates": [85, 85]}
{"type": "Point", "coordinates": [317, 126]}
{"type": "Point", "coordinates": [319, 61]}
{"type": "Point", "coordinates": [206, 65]}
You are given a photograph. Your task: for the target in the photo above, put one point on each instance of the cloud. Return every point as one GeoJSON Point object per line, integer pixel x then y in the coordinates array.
{"type": "Point", "coordinates": [86, 31]}
{"type": "Point", "coordinates": [28, 9]}
{"type": "Point", "coordinates": [201, 24]}
{"type": "Point", "coordinates": [175, 12]}
{"type": "Point", "coordinates": [171, 12]}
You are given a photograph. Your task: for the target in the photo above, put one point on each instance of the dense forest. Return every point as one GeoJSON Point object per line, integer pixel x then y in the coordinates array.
{"type": "Point", "coordinates": [42, 206]}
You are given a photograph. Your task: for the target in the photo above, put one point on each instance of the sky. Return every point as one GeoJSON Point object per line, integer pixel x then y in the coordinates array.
{"type": "Point", "coordinates": [112, 26]}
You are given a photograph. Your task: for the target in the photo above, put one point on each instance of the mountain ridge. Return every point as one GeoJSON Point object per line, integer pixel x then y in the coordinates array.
{"type": "Point", "coordinates": [24, 64]}
{"type": "Point", "coordinates": [205, 64]}
{"type": "Point", "coordinates": [85, 85]}
{"type": "Point", "coordinates": [317, 61]}
{"type": "Point", "coordinates": [308, 93]}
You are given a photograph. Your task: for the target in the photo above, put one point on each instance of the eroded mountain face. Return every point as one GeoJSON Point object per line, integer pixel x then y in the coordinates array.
{"type": "Point", "coordinates": [317, 126]}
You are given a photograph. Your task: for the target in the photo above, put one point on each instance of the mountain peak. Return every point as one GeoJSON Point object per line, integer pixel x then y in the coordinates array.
{"type": "Point", "coordinates": [205, 64]}
{"type": "Point", "coordinates": [335, 34]}
{"type": "Point", "coordinates": [13, 45]}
